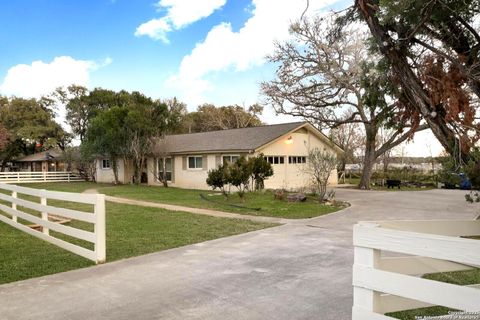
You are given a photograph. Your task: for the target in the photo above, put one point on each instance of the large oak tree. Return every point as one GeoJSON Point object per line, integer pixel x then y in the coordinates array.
{"type": "Point", "coordinates": [319, 79]}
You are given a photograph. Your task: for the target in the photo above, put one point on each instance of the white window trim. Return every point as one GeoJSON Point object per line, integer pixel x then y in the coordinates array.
{"type": "Point", "coordinates": [194, 169]}
{"type": "Point", "coordinates": [273, 160]}
{"type": "Point", "coordinates": [103, 167]}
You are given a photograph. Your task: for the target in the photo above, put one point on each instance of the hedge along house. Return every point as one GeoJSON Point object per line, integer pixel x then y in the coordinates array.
{"type": "Point", "coordinates": [189, 157]}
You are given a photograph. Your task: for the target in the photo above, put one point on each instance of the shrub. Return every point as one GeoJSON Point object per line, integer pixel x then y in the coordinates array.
{"type": "Point", "coordinates": [279, 194]}
{"type": "Point", "coordinates": [320, 165]}
{"type": "Point", "coordinates": [219, 178]}
{"type": "Point", "coordinates": [260, 170]}
{"type": "Point", "coordinates": [239, 176]}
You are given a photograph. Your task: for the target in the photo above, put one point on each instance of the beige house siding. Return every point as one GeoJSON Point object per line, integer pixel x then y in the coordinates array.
{"type": "Point", "coordinates": [106, 175]}
{"type": "Point", "coordinates": [182, 176]}
{"type": "Point", "coordinates": [294, 176]}
{"type": "Point", "coordinates": [287, 175]}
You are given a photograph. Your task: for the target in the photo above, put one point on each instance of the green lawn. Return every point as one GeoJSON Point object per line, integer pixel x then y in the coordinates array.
{"type": "Point", "coordinates": [191, 198]}
{"type": "Point", "coordinates": [131, 231]}
{"type": "Point", "coordinates": [462, 278]}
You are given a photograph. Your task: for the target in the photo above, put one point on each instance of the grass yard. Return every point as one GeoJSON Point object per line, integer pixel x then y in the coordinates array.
{"type": "Point", "coordinates": [191, 198]}
{"type": "Point", "coordinates": [131, 231]}
{"type": "Point", "coordinates": [462, 278]}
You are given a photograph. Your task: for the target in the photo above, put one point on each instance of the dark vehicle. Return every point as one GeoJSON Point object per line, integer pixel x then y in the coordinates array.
{"type": "Point", "coordinates": [392, 183]}
{"type": "Point", "coordinates": [458, 180]}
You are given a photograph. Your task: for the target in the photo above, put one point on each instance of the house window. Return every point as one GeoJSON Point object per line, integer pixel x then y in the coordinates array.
{"type": "Point", "coordinates": [230, 158]}
{"type": "Point", "coordinates": [106, 164]}
{"type": "Point", "coordinates": [275, 159]}
{"type": "Point", "coordinates": [168, 169]}
{"type": "Point", "coordinates": [195, 162]}
{"type": "Point", "coordinates": [297, 159]}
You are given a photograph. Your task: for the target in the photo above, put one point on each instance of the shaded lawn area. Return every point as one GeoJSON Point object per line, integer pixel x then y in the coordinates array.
{"type": "Point", "coordinates": [191, 198]}
{"type": "Point", "coordinates": [131, 231]}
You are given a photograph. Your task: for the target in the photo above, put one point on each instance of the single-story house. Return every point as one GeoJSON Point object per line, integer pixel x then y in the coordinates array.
{"type": "Point", "coordinates": [191, 156]}
{"type": "Point", "coordinates": [52, 160]}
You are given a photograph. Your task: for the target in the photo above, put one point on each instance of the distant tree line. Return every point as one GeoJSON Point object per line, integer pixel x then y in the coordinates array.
{"type": "Point", "coordinates": [111, 124]}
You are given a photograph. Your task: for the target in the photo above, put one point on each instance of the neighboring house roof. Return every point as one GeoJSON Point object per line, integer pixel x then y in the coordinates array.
{"type": "Point", "coordinates": [238, 140]}
{"type": "Point", "coordinates": [49, 155]}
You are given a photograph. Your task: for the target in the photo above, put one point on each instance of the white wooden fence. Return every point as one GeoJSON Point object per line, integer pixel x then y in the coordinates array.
{"type": "Point", "coordinates": [97, 218]}
{"type": "Point", "coordinates": [29, 177]}
{"type": "Point", "coordinates": [386, 283]}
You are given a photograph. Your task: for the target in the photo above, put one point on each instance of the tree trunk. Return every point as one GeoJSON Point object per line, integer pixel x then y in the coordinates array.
{"type": "Point", "coordinates": [164, 172]}
{"type": "Point", "coordinates": [322, 190]}
{"type": "Point", "coordinates": [115, 169]}
{"type": "Point", "coordinates": [368, 159]}
{"type": "Point", "coordinates": [138, 172]}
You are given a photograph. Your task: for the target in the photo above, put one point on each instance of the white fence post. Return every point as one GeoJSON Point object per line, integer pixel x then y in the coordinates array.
{"type": "Point", "coordinates": [100, 226]}
{"type": "Point", "coordinates": [43, 201]}
{"type": "Point", "coordinates": [97, 218]}
{"type": "Point", "coordinates": [32, 177]}
{"type": "Point", "coordinates": [365, 298]}
{"type": "Point", "coordinates": [384, 284]}
{"type": "Point", "coordinates": [14, 206]}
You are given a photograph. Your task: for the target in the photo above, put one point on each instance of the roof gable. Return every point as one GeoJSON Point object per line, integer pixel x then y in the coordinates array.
{"type": "Point", "coordinates": [239, 140]}
{"type": "Point", "coordinates": [243, 139]}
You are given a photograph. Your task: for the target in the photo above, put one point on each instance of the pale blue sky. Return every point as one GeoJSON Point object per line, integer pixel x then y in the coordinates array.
{"type": "Point", "coordinates": [197, 50]}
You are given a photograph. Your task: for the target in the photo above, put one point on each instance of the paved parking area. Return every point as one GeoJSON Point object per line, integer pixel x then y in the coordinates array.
{"type": "Point", "coordinates": [300, 270]}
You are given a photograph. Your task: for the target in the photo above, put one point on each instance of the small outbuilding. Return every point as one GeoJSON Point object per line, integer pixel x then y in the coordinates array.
{"type": "Point", "coordinates": [46, 161]}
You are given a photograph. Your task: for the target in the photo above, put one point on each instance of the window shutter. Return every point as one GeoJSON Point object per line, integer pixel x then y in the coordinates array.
{"type": "Point", "coordinates": [218, 161]}
{"type": "Point", "coordinates": [204, 162]}
{"type": "Point", "coordinates": [173, 169]}
{"type": "Point", "coordinates": [155, 169]}
{"type": "Point", "coordinates": [184, 163]}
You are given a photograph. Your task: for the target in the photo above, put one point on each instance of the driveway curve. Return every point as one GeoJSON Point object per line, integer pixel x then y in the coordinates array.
{"type": "Point", "coordinates": [300, 270]}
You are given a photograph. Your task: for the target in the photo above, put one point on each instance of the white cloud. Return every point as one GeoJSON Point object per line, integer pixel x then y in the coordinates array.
{"type": "Point", "coordinates": [180, 13]}
{"type": "Point", "coordinates": [39, 78]}
{"type": "Point", "coordinates": [223, 48]}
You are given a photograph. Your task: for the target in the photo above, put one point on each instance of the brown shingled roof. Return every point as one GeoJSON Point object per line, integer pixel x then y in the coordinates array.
{"type": "Point", "coordinates": [48, 155]}
{"type": "Point", "coordinates": [243, 139]}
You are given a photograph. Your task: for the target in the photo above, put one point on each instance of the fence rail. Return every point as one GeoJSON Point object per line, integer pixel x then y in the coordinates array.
{"type": "Point", "coordinates": [44, 211]}
{"type": "Point", "coordinates": [386, 283]}
{"type": "Point", "coordinates": [30, 177]}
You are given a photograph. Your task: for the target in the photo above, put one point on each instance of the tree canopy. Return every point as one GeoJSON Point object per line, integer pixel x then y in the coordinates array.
{"type": "Point", "coordinates": [127, 130]}
{"type": "Point", "coordinates": [27, 126]}
{"type": "Point", "coordinates": [208, 117]}
{"type": "Point", "coordinates": [334, 83]}
{"type": "Point", "coordinates": [432, 49]}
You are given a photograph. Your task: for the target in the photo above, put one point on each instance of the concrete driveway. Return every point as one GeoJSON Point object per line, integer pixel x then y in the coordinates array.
{"type": "Point", "coordinates": [297, 271]}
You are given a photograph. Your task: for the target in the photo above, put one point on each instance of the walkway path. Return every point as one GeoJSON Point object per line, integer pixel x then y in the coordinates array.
{"type": "Point", "coordinates": [294, 271]}
{"type": "Point", "coordinates": [207, 212]}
